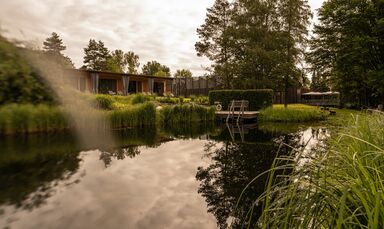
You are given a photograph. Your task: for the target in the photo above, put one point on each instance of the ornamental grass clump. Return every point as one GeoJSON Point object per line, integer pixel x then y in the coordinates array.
{"type": "Point", "coordinates": [340, 186]}
{"type": "Point", "coordinates": [136, 116]}
{"type": "Point", "coordinates": [186, 113]}
{"type": "Point", "coordinates": [28, 118]}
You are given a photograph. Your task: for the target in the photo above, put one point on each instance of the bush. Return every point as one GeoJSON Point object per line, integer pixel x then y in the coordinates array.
{"type": "Point", "coordinates": [258, 99]}
{"type": "Point", "coordinates": [104, 101]}
{"type": "Point", "coordinates": [140, 98]}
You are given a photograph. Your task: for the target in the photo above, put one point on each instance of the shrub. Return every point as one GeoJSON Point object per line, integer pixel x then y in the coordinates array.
{"type": "Point", "coordinates": [104, 101]}
{"type": "Point", "coordinates": [258, 99]}
{"type": "Point", "coordinates": [140, 98]}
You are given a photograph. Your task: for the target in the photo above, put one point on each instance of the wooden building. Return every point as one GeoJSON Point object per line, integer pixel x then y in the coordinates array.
{"type": "Point", "coordinates": [99, 82]}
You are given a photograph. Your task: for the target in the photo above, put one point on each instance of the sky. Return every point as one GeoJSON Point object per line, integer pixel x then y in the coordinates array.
{"type": "Point", "coordinates": [161, 30]}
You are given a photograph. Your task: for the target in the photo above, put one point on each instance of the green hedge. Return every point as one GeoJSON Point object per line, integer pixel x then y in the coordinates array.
{"type": "Point", "coordinates": [258, 99]}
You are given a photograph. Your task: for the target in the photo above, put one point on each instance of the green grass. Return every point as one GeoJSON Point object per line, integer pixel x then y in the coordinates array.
{"type": "Point", "coordinates": [340, 186]}
{"type": "Point", "coordinates": [27, 118]}
{"type": "Point", "coordinates": [136, 116]}
{"type": "Point", "coordinates": [186, 113]}
{"type": "Point", "coordinates": [294, 113]}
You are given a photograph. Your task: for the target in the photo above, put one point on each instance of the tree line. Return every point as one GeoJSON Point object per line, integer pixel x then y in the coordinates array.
{"type": "Point", "coordinates": [266, 44]}
{"type": "Point", "coordinates": [99, 58]}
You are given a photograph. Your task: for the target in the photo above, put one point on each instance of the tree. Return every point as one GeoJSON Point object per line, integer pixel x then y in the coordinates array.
{"type": "Point", "coordinates": [183, 73]}
{"type": "Point", "coordinates": [53, 46]}
{"type": "Point", "coordinates": [97, 56]}
{"type": "Point", "coordinates": [295, 18]}
{"type": "Point", "coordinates": [348, 44]}
{"type": "Point", "coordinates": [215, 40]}
{"type": "Point", "coordinates": [116, 62]}
{"type": "Point", "coordinates": [132, 60]}
{"type": "Point", "coordinates": [154, 68]}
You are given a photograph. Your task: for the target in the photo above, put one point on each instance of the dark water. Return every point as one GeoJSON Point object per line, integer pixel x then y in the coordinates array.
{"type": "Point", "coordinates": [186, 177]}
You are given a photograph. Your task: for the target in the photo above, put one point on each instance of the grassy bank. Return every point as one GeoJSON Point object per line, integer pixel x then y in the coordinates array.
{"type": "Point", "coordinates": [27, 118]}
{"type": "Point", "coordinates": [340, 186]}
{"type": "Point", "coordinates": [134, 111]}
{"type": "Point", "coordinates": [294, 113]}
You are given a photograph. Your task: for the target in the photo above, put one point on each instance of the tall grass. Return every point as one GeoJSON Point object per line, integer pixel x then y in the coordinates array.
{"type": "Point", "coordinates": [341, 186]}
{"type": "Point", "coordinates": [186, 113]}
{"type": "Point", "coordinates": [292, 114]}
{"type": "Point", "coordinates": [136, 116]}
{"type": "Point", "coordinates": [28, 118]}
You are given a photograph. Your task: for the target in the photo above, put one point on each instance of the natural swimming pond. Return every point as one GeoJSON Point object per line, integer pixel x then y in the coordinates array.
{"type": "Point", "coordinates": [173, 178]}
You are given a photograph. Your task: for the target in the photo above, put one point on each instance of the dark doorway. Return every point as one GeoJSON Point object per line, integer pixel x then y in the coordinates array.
{"type": "Point", "coordinates": [158, 88]}
{"type": "Point", "coordinates": [107, 86]}
{"type": "Point", "coordinates": [132, 88]}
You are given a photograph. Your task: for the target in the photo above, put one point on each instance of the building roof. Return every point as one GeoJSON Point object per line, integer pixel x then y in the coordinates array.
{"type": "Point", "coordinates": [120, 74]}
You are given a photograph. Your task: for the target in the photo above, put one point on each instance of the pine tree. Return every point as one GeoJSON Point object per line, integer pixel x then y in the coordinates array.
{"type": "Point", "coordinates": [154, 68]}
{"type": "Point", "coordinates": [97, 56]}
{"type": "Point", "coordinates": [215, 40]}
{"type": "Point", "coordinates": [54, 44]}
{"type": "Point", "coordinates": [295, 18]}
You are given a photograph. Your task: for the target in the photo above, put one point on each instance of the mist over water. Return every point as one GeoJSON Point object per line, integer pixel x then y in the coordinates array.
{"type": "Point", "coordinates": [90, 124]}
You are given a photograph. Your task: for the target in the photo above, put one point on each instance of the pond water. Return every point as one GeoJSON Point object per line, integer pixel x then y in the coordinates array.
{"type": "Point", "coordinates": [173, 178]}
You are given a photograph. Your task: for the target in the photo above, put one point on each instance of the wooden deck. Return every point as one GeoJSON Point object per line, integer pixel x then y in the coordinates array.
{"type": "Point", "coordinates": [247, 114]}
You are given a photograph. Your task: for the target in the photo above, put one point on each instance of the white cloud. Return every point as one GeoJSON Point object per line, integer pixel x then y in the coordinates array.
{"type": "Point", "coordinates": [162, 30]}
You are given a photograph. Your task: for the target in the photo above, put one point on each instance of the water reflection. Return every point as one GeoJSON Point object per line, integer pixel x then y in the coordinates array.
{"type": "Point", "coordinates": [169, 177]}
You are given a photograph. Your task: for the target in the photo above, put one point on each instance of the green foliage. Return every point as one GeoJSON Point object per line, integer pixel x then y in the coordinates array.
{"type": "Point", "coordinates": [140, 98]}
{"type": "Point", "coordinates": [259, 42]}
{"type": "Point", "coordinates": [340, 186]}
{"type": "Point", "coordinates": [27, 118]}
{"type": "Point", "coordinates": [104, 101]}
{"type": "Point", "coordinates": [348, 49]}
{"type": "Point", "coordinates": [186, 113]}
{"type": "Point", "coordinates": [136, 116]}
{"type": "Point", "coordinates": [183, 73]}
{"type": "Point", "coordinates": [97, 56]}
{"type": "Point", "coordinates": [53, 46]}
{"type": "Point", "coordinates": [292, 114]}
{"type": "Point", "coordinates": [19, 81]}
{"type": "Point", "coordinates": [258, 99]}
{"type": "Point", "coordinates": [154, 68]}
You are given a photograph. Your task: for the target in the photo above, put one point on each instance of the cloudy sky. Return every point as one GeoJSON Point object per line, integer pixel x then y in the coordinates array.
{"type": "Point", "coordinates": [162, 30]}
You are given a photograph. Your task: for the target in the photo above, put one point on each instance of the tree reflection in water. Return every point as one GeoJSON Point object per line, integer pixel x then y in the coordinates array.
{"type": "Point", "coordinates": [233, 166]}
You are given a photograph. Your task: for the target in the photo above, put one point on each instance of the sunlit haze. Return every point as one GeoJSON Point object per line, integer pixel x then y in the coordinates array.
{"type": "Point", "coordinates": [161, 30]}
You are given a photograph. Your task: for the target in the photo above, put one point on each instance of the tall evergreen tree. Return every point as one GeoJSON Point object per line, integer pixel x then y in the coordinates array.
{"type": "Point", "coordinates": [215, 40]}
{"type": "Point", "coordinates": [294, 21]}
{"type": "Point", "coordinates": [97, 56]}
{"type": "Point", "coordinates": [54, 46]}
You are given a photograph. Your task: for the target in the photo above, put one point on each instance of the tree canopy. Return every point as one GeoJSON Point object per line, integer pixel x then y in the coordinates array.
{"type": "Point", "coordinates": [53, 46]}
{"type": "Point", "coordinates": [154, 68]}
{"type": "Point", "coordinates": [183, 73]}
{"type": "Point", "coordinates": [348, 48]}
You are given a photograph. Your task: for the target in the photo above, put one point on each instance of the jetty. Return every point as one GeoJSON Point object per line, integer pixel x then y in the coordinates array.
{"type": "Point", "coordinates": [238, 111]}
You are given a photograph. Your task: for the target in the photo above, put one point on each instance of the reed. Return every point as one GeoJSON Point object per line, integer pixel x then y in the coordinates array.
{"type": "Point", "coordinates": [136, 116]}
{"type": "Point", "coordinates": [339, 186]}
{"type": "Point", "coordinates": [28, 118]}
{"type": "Point", "coordinates": [186, 113]}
